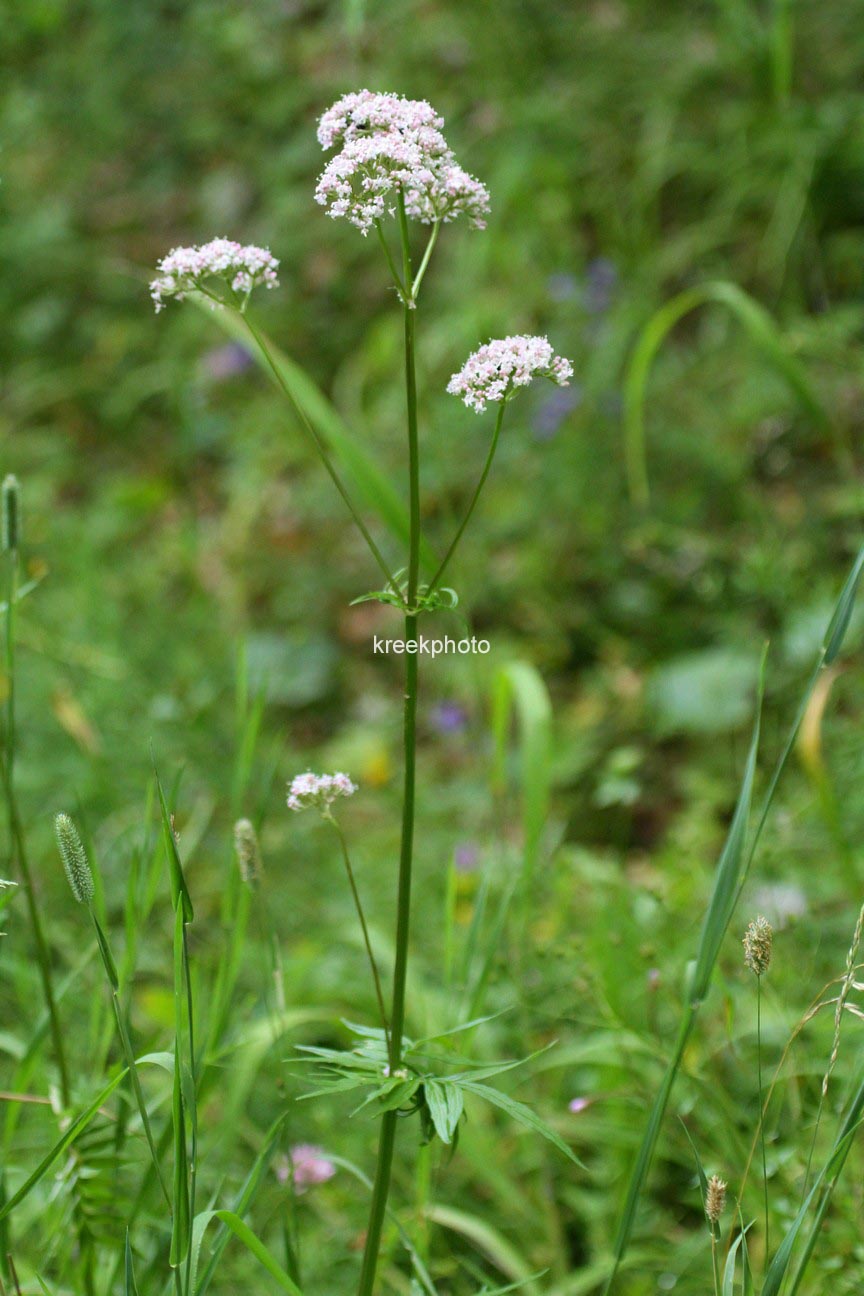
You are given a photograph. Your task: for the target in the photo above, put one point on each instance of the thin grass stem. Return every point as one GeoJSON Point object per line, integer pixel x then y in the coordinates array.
{"type": "Point", "coordinates": [445, 562]}
{"type": "Point", "coordinates": [761, 1112]}
{"type": "Point", "coordinates": [358, 905]}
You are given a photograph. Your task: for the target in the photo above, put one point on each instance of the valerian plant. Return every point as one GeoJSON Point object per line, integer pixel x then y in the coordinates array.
{"type": "Point", "coordinates": [391, 169]}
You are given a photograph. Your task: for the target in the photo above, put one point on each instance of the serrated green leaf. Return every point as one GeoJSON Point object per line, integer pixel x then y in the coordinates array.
{"type": "Point", "coordinates": [446, 1103]}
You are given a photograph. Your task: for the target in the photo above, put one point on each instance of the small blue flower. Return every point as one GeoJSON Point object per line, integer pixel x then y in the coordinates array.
{"type": "Point", "coordinates": [555, 409]}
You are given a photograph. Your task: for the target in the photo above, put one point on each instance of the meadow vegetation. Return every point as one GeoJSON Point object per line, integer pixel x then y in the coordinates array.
{"type": "Point", "coordinates": [664, 561]}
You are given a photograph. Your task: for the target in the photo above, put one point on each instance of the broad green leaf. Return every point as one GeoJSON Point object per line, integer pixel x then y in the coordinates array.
{"type": "Point", "coordinates": [520, 1112]}
{"type": "Point", "coordinates": [80, 1123]}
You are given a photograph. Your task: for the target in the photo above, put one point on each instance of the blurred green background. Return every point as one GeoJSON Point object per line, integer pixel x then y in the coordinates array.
{"type": "Point", "coordinates": [633, 150]}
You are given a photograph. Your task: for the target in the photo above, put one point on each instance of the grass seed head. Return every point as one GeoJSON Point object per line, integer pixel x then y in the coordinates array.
{"type": "Point", "coordinates": [74, 859]}
{"type": "Point", "coordinates": [758, 943]}
{"type": "Point", "coordinates": [715, 1198]}
{"type": "Point", "coordinates": [247, 850]}
{"type": "Point", "coordinates": [11, 514]}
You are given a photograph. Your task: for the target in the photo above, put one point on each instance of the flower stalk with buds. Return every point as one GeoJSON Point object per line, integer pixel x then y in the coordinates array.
{"type": "Point", "coordinates": [758, 947]}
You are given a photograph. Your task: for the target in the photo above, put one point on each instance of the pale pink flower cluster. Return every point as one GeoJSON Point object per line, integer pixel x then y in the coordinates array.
{"type": "Point", "coordinates": [186, 268]}
{"type": "Point", "coordinates": [318, 790]}
{"type": "Point", "coordinates": [494, 371]}
{"type": "Point", "coordinates": [307, 1166]}
{"type": "Point", "coordinates": [391, 145]}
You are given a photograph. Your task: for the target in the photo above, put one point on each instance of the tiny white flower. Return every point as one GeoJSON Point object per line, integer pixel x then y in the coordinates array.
{"type": "Point", "coordinates": [318, 790]}
{"type": "Point", "coordinates": [241, 267]}
{"type": "Point", "coordinates": [494, 371]}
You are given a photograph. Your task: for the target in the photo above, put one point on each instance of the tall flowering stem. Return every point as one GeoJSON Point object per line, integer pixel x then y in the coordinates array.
{"type": "Point", "coordinates": [387, 1136]}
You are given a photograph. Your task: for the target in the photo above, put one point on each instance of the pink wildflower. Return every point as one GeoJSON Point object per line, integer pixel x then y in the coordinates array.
{"type": "Point", "coordinates": [494, 371]}
{"type": "Point", "coordinates": [307, 1166]}
{"type": "Point", "coordinates": [241, 267]}
{"type": "Point", "coordinates": [389, 146]}
{"type": "Point", "coordinates": [577, 1105]}
{"type": "Point", "coordinates": [319, 790]}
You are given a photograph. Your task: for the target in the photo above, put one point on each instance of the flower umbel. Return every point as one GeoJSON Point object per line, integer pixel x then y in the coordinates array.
{"type": "Point", "coordinates": [494, 371]}
{"type": "Point", "coordinates": [318, 790]}
{"type": "Point", "coordinates": [758, 943]}
{"type": "Point", "coordinates": [391, 146]}
{"type": "Point", "coordinates": [715, 1198]}
{"type": "Point", "coordinates": [240, 267]}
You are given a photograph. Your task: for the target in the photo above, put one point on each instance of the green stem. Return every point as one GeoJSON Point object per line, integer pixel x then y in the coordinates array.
{"type": "Point", "coordinates": [128, 1052]}
{"type": "Point", "coordinates": [761, 1112]}
{"type": "Point", "coordinates": [387, 1136]}
{"type": "Point", "coordinates": [16, 834]}
{"type": "Point", "coordinates": [323, 453]}
{"type": "Point", "coordinates": [397, 279]}
{"type": "Point", "coordinates": [361, 915]}
{"type": "Point", "coordinates": [430, 246]}
{"type": "Point", "coordinates": [474, 498]}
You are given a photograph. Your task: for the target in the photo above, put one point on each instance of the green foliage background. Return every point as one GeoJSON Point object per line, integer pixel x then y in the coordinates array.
{"type": "Point", "coordinates": [633, 150]}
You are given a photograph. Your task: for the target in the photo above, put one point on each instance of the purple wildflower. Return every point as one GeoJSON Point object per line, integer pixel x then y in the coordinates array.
{"type": "Point", "coordinates": [448, 717]}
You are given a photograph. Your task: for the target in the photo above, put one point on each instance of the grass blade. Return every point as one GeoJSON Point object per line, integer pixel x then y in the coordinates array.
{"type": "Point", "coordinates": [519, 687]}
{"type": "Point", "coordinates": [252, 1244]}
{"type": "Point", "coordinates": [763, 333]}
{"type": "Point", "coordinates": [360, 470]}
{"type": "Point", "coordinates": [130, 1287]}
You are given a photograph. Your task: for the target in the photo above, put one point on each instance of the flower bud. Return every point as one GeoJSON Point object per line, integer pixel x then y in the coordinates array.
{"type": "Point", "coordinates": [74, 859]}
